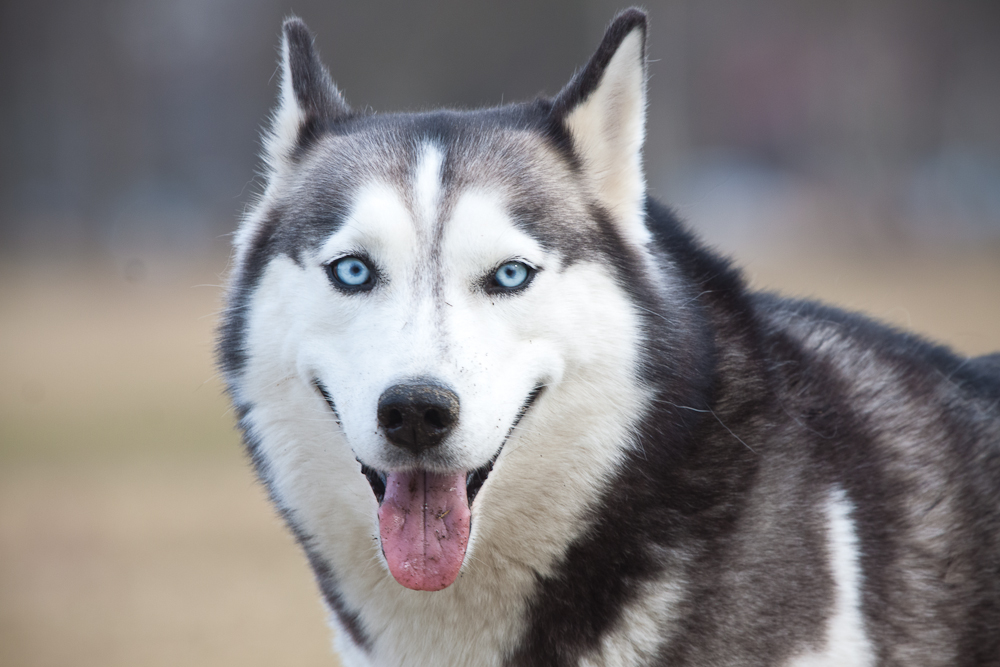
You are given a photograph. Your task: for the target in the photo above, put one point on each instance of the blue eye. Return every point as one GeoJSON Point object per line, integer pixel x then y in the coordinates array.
{"type": "Point", "coordinates": [350, 272]}
{"type": "Point", "coordinates": [512, 275]}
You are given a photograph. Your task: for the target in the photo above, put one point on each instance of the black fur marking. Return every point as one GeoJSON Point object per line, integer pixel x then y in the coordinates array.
{"type": "Point", "coordinates": [589, 78]}
{"type": "Point", "coordinates": [315, 92]}
{"type": "Point", "coordinates": [288, 228]}
{"type": "Point", "coordinates": [984, 374]}
{"type": "Point", "coordinates": [326, 579]}
{"type": "Point", "coordinates": [230, 351]}
{"type": "Point", "coordinates": [253, 450]}
{"type": "Point", "coordinates": [664, 496]}
{"type": "Point", "coordinates": [349, 619]}
{"type": "Point", "coordinates": [679, 503]}
{"type": "Point", "coordinates": [870, 473]}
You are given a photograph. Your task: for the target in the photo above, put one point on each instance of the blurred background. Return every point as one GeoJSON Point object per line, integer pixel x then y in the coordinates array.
{"type": "Point", "coordinates": [839, 149]}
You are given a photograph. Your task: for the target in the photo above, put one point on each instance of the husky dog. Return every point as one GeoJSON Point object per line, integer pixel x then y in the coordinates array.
{"type": "Point", "coordinates": [515, 414]}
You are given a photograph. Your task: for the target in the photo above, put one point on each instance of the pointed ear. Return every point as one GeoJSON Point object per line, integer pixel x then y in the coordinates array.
{"type": "Point", "coordinates": [308, 99]}
{"type": "Point", "coordinates": [603, 109]}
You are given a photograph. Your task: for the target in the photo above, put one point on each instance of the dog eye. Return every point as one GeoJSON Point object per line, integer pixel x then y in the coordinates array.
{"type": "Point", "coordinates": [350, 272]}
{"type": "Point", "coordinates": [513, 275]}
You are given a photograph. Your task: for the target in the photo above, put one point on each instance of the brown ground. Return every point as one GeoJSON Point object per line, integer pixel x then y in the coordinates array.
{"type": "Point", "coordinates": [131, 531]}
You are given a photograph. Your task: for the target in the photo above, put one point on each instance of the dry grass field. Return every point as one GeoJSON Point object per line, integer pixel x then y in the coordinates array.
{"type": "Point", "coordinates": [132, 532]}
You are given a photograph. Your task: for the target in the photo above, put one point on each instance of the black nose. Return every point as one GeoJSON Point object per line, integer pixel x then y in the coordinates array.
{"type": "Point", "coordinates": [418, 415]}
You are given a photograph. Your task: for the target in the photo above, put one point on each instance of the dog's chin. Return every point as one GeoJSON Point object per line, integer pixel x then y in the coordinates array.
{"type": "Point", "coordinates": [425, 516]}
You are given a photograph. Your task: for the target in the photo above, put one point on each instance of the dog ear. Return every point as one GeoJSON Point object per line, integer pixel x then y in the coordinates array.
{"type": "Point", "coordinates": [603, 109]}
{"type": "Point", "coordinates": [308, 98]}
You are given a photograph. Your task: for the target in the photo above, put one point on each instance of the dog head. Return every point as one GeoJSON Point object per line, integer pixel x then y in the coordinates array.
{"type": "Point", "coordinates": [440, 306]}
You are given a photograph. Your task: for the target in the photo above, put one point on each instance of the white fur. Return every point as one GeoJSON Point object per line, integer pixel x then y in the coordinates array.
{"type": "Point", "coordinates": [846, 643]}
{"type": "Point", "coordinates": [645, 626]}
{"type": "Point", "coordinates": [427, 186]}
{"type": "Point", "coordinates": [431, 318]}
{"type": "Point", "coordinates": [914, 435]}
{"type": "Point", "coordinates": [287, 119]}
{"type": "Point", "coordinates": [608, 129]}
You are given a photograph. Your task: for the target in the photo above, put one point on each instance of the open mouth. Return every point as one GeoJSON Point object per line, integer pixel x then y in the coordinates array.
{"type": "Point", "coordinates": [474, 479]}
{"type": "Point", "coordinates": [425, 518]}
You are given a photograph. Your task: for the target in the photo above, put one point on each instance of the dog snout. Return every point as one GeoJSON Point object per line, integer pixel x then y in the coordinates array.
{"type": "Point", "coordinates": [416, 416]}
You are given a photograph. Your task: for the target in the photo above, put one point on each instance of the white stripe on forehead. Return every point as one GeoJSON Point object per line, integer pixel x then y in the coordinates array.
{"type": "Point", "coordinates": [427, 186]}
{"type": "Point", "coordinates": [388, 221]}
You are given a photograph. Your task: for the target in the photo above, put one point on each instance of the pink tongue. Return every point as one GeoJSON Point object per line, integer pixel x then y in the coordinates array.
{"type": "Point", "coordinates": [424, 522]}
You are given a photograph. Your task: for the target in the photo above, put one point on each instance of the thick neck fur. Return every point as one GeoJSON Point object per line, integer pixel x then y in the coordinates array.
{"type": "Point", "coordinates": [677, 494]}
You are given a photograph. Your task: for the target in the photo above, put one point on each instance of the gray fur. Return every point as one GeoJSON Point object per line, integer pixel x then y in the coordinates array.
{"type": "Point", "coordinates": [794, 485]}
